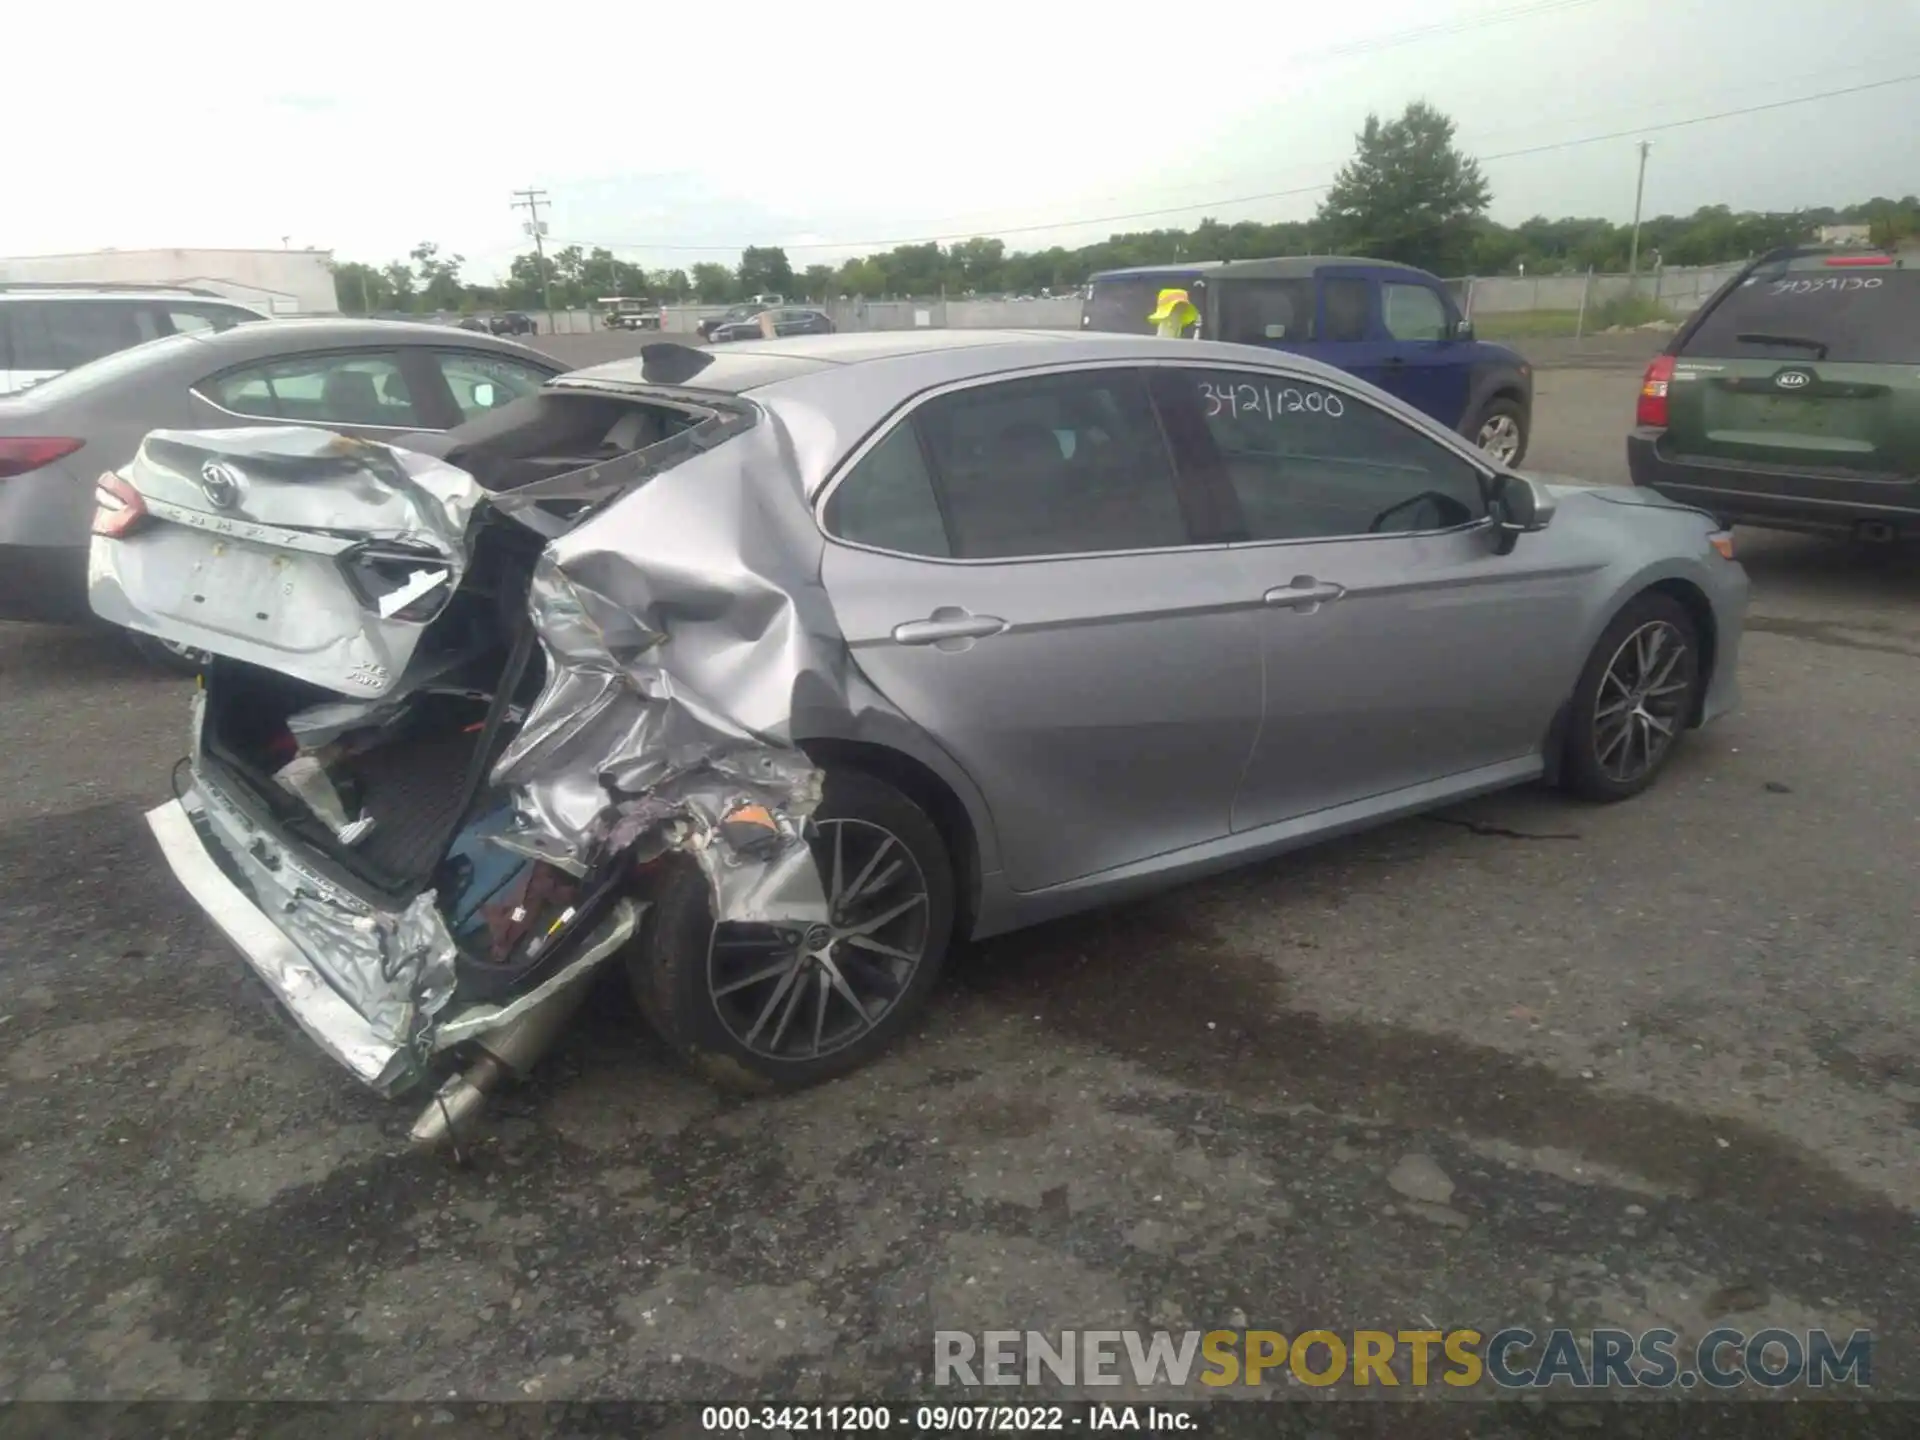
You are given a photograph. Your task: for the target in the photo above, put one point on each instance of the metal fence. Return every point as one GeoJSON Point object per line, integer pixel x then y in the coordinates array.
{"type": "Point", "coordinates": [1502, 307]}
{"type": "Point", "coordinates": [1579, 305]}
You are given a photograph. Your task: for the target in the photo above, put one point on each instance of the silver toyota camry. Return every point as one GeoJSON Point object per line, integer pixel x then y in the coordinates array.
{"type": "Point", "coordinates": [769, 674]}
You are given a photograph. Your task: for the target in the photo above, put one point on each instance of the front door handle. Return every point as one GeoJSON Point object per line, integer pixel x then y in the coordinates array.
{"type": "Point", "coordinates": [1302, 593]}
{"type": "Point", "coordinates": [950, 626]}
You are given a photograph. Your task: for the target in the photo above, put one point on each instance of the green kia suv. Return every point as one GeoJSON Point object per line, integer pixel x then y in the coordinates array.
{"type": "Point", "coordinates": [1791, 399]}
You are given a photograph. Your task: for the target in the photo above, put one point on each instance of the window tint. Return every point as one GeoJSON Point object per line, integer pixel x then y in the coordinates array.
{"type": "Point", "coordinates": [1252, 311]}
{"type": "Point", "coordinates": [1054, 465]}
{"type": "Point", "coordinates": [1865, 316]}
{"type": "Point", "coordinates": [485, 382]}
{"type": "Point", "coordinates": [187, 318]}
{"type": "Point", "coordinates": [60, 334]}
{"type": "Point", "coordinates": [356, 388]}
{"type": "Point", "coordinates": [887, 500]}
{"type": "Point", "coordinates": [1306, 461]}
{"type": "Point", "coordinates": [1124, 306]}
{"type": "Point", "coordinates": [1412, 312]}
{"type": "Point", "coordinates": [1349, 309]}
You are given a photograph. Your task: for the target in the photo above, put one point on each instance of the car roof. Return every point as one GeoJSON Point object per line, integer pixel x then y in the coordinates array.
{"type": "Point", "coordinates": [1172, 267]}
{"type": "Point", "coordinates": [747, 365]}
{"type": "Point", "coordinates": [114, 292]}
{"type": "Point", "coordinates": [1277, 267]}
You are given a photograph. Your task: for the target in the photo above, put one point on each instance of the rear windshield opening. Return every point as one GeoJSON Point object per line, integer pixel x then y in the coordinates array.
{"type": "Point", "coordinates": [1125, 305]}
{"type": "Point", "coordinates": [1865, 315]}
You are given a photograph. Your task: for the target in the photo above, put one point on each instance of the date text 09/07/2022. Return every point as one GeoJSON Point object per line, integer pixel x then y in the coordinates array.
{"type": "Point", "coordinates": [945, 1419]}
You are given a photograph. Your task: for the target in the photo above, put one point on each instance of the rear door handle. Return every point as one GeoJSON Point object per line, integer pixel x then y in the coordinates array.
{"type": "Point", "coordinates": [949, 623]}
{"type": "Point", "coordinates": [1302, 593]}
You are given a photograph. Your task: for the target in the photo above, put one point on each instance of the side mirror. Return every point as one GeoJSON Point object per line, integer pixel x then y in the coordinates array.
{"type": "Point", "coordinates": [1463, 330]}
{"type": "Point", "coordinates": [1520, 507]}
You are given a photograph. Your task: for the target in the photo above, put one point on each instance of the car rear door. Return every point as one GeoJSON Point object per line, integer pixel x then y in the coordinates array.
{"type": "Point", "coordinates": [1426, 365]}
{"type": "Point", "coordinates": [1806, 369]}
{"type": "Point", "coordinates": [1348, 333]}
{"type": "Point", "coordinates": [1018, 570]}
{"type": "Point", "coordinates": [1398, 647]}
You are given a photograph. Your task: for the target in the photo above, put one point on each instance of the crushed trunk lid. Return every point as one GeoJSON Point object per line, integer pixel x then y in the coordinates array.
{"type": "Point", "coordinates": [314, 554]}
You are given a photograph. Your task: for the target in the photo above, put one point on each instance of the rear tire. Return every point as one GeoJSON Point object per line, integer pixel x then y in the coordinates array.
{"type": "Point", "coordinates": [1634, 701]}
{"type": "Point", "coordinates": [695, 983]}
{"type": "Point", "coordinates": [1502, 431]}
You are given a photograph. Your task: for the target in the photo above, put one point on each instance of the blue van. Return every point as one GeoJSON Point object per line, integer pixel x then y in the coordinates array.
{"type": "Point", "coordinates": [1391, 325]}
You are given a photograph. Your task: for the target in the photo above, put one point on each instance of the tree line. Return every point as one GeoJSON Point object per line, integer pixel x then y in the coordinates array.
{"type": "Point", "coordinates": [1408, 194]}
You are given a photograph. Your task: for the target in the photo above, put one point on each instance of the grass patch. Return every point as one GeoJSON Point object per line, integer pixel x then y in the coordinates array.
{"type": "Point", "coordinates": [1626, 311]}
{"type": "Point", "coordinates": [1525, 324]}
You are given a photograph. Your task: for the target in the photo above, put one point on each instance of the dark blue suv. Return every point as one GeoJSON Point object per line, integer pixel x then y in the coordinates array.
{"type": "Point", "coordinates": [1391, 325]}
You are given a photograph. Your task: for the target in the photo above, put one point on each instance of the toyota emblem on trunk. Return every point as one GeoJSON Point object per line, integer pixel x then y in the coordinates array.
{"type": "Point", "coordinates": [220, 485]}
{"type": "Point", "coordinates": [1792, 379]}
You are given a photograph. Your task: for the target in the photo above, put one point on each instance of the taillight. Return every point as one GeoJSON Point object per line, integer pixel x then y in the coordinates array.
{"type": "Point", "coordinates": [118, 508]}
{"type": "Point", "coordinates": [1850, 261]}
{"type": "Point", "coordinates": [1652, 409]}
{"type": "Point", "coordinates": [21, 453]}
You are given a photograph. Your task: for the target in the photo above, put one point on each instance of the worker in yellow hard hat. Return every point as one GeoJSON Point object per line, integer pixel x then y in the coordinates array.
{"type": "Point", "coordinates": [1174, 316]}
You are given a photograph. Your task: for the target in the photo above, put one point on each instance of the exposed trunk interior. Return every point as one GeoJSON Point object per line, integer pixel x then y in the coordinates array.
{"type": "Point", "coordinates": [394, 793]}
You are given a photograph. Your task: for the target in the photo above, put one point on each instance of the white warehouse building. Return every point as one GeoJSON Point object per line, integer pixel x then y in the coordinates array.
{"type": "Point", "coordinates": [274, 282]}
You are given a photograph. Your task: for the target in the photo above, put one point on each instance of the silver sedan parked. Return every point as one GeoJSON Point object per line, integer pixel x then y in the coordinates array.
{"type": "Point", "coordinates": [777, 670]}
{"type": "Point", "coordinates": [359, 377]}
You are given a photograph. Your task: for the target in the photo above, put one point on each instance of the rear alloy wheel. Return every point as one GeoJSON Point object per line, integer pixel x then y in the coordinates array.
{"type": "Point", "coordinates": [1502, 432]}
{"type": "Point", "coordinates": [1635, 698]}
{"type": "Point", "coordinates": [763, 1007]}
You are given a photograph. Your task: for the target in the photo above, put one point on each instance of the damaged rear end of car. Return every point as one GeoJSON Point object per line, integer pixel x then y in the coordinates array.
{"type": "Point", "coordinates": [464, 709]}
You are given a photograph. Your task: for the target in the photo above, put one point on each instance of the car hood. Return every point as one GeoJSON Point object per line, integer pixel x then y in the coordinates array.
{"type": "Point", "coordinates": [1566, 488]}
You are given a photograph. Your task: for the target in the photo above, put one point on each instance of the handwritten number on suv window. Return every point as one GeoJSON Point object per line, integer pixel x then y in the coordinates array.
{"type": "Point", "coordinates": [1828, 283]}
{"type": "Point", "coordinates": [1269, 401]}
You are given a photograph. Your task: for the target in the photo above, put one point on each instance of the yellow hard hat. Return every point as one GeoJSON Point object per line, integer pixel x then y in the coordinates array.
{"type": "Point", "coordinates": [1170, 303]}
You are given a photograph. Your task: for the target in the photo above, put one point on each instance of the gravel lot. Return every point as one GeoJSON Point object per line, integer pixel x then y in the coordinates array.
{"type": "Point", "coordinates": [1663, 1052]}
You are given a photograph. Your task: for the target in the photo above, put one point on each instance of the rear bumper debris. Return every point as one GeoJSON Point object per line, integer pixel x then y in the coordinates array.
{"type": "Point", "coordinates": [380, 1055]}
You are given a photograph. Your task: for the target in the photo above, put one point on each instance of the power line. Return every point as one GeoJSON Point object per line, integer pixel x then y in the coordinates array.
{"type": "Point", "coordinates": [1299, 190]}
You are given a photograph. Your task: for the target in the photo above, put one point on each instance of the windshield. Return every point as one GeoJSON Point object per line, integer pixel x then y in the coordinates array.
{"type": "Point", "coordinates": [1860, 314]}
{"type": "Point", "coordinates": [1122, 304]}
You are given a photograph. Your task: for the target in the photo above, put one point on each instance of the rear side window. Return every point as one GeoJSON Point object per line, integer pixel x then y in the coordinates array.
{"type": "Point", "coordinates": [353, 388]}
{"type": "Point", "coordinates": [1255, 310]}
{"type": "Point", "coordinates": [1068, 464]}
{"type": "Point", "coordinates": [1125, 305]}
{"type": "Point", "coordinates": [188, 317]}
{"type": "Point", "coordinates": [62, 334]}
{"type": "Point", "coordinates": [1845, 315]}
{"type": "Point", "coordinates": [887, 500]}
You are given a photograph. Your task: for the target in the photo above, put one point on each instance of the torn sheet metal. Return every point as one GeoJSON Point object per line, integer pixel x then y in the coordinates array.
{"type": "Point", "coordinates": [314, 554]}
{"type": "Point", "coordinates": [678, 640]}
{"type": "Point", "coordinates": [366, 983]}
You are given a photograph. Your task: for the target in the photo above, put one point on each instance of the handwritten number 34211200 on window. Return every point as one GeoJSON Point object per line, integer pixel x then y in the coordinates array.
{"type": "Point", "coordinates": [1269, 402]}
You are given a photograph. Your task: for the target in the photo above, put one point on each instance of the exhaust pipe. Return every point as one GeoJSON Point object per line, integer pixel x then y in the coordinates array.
{"type": "Point", "coordinates": [514, 1037]}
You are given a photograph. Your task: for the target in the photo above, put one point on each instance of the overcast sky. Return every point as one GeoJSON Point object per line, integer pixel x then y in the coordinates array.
{"type": "Point", "coordinates": [839, 126]}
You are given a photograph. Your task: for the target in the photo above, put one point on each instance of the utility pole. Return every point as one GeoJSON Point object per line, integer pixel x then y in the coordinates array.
{"type": "Point", "coordinates": [1639, 189]}
{"type": "Point", "coordinates": [531, 201]}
